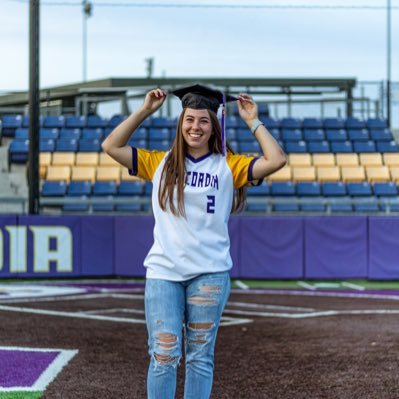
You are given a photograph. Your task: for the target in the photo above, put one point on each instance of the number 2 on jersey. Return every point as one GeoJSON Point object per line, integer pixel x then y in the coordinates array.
{"type": "Point", "coordinates": [210, 206]}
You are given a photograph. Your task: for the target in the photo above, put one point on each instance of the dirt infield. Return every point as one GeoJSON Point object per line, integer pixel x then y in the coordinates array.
{"type": "Point", "coordinates": [271, 345]}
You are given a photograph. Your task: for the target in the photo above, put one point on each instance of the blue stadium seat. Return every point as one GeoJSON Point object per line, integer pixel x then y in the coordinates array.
{"type": "Point", "coordinates": [128, 207]}
{"type": "Point", "coordinates": [133, 142]}
{"type": "Point", "coordinates": [359, 189]}
{"type": "Point", "coordinates": [262, 189]}
{"type": "Point", "coordinates": [70, 133]}
{"type": "Point", "coordinates": [130, 188]}
{"type": "Point", "coordinates": [308, 189]}
{"type": "Point", "coordinates": [231, 121]}
{"type": "Point", "coordinates": [162, 122]}
{"type": "Point", "coordinates": [313, 134]}
{"type": "Point", "coordinates": [92, 133]}
{"type": "Point", "coordinates": [285, 207]}
{"type": "Point", "coordinates": [244, 134]}
{"type": "Point", "coordinates": [234, 145]}
{"type": "Point", "coordinates": [270, 123]}
{"type": "Point", "coordinates": [291, 135]}
{"type": "Point", "coordinates": [318, 207]}
{"type": "Point", "coordinates": [295, 146]}
{"type": "Point", "coordinates": [66, 145]}
{"type": "Point", "coordinates": [54, 121]}
{"type": "Point", "coordinates": [385, 189]}
{"type": "Point", "coordinates": [140, 134]}
{"type": "Point", "coordinates": [79, 188]}
{"type": "Point", "coordinates": [333, 189]}
{"type": "Point", "coordinates": [318, 146]}
{"type": "Point", "coordinates": [291, 123]}
{"type": "Point", "coordinates": [75, 121]}
{"type": "Point", "coordinates": [376, 123]}
{"type": "Point", "coordinates": [336, 134]}
{"type": "Point", "coordinates": [147, 188]}
{"type": "Point", "coordinates": [47, 145]}
{"type": "Point", "coordinates": [89, 145]}
{"type": "Point", "coordinates": [95, 121]}
{"type": "Point", "coordinates": [53, 189]}
{"type": "Point", "coordinates": [263, 109]}
{"type": "Point", "coordinates": [249, 146]}
{"type": "Point", "coordinates": [341, 208]}
{"type": "Point", "coordinates": [275, 133]}
{"type": "Point", "coordinates": [104, 189]}
{"type": "Point", "coordinates": [364, 146]}
{"type": "Point", "coordinates": [381, 135]}
{"type": "Point", "coordinates": [21, 133]}
{"type": "Point", "coordinates": [159, 145]}
{"type": "Point", "coordinates": [230, 134]}
{"type": "Point", "coordinates": [49, 133]}
{"type": "Point", "coordinates": [256, 207]}
{"type": "Point", "coordinates": [389, 203]}
{"type": "Point", "coordinates": [387, 146]}
{"type": "Point", "coordinates": [11, 121]}
{"type": "Point", "coordinates": [77, 206]}
{"type": "Point", "coordinates": [341, 146]}
{"type": "Point", "coordinates": [115, 120]}
{"type": "Point", "coordinates": [158, 133]}
{"type": "Point", "coordinates": [282, 188]}
{"type": "Point", "coordinates": [358, 134]}
{"type": "Point", "coordinates": [368, 207]}
{"type": "Point", "coordinates": [312, 123]}
{"type": "Point", "coordinates": [354, 123]}
{"type": "Point", "coordinates": [333, 123]}
{"type": "Point", "coordinates": [18, 151]}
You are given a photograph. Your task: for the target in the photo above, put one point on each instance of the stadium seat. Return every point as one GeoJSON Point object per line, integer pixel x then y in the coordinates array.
{"type": "Point", "coordinates": [66, 145]}
{"type": "Point", "coordinates": [44, 162]}
{"type": "Point", "coordinates": [385, 189]}
{"type": "Point", "coordinates": [333, 123]}
{"type": "Point", "coordinates": [75, 121]}
{"type": "Point", "coordinates": [231, 122]}
{"type": "Point", "coordinates": [336, 135]}
{"type": "Point", "coordinates": [387, 146]}
{"type": "Point", "coordinates": [275, 133]}
{"type": "Point", "coordinates": [291, 135]}
{"type": "Point", "coordinates": [262, 189]}
{"type": "Point", "coordinates": [9, 125]}
{"type": "Point", "coordinates": [147, 188]}
{"type": "Point", "coordinates": [341, 207]}
{"type": "Point", "coordinates": [354, 123]}
{"type": "Point", "coordinates": [83, 173]}
{"type": "Point", "coordinates": [377, 173]}
{"type": "Point", "coordinates": [54, 121]}
{"type": "Point", "coordinates": [328, 173]}
{"type": "Point", "coordinates": [21, 133]}
{"type": "Point", "coordinates": [18, 151]}
{"type": "Point", "coordinates": [108, 173]}
{"type": "Point", "coordinates": [133, 142]}
{"type": "Point", "coordinates": [347, 159]}
{"type": "Point", "coordinates": [104, 188]}
{"type": "Point", "coordinates": [92, 133]}
{"type": "Point", "coordinates": [78, 206]}
{"type": "Point", "coordinates": [70, 134]}
{"type": "Point", "coordinates": [364, 146]}
{"type": "Point", "coordinates": [95, 121]}
{"type": "Point", "coordinates": [284, 174]}
{"type": "Point", "coordinates": [313, 135]}
{"type": "Point", "coordinates": [53, 189]}
{"type": "Point", "coordinates": [303, 173]}
{"type": "Point", "coordinates": [130, 188]}
{"type": "Point", "coordinates": [47, 145]}
{"type": "Point", "coordinates": [125, 175]}
{"type": "Point", "coordinates": [376, 123]}
{"type": "Point", "coordinates": [381, 135]}
{"type": "Point", "coordinates": [318, 147]}
{"type": "Point", "coordinates": [370, 159]}
{"type": "Point", "coordinates": [317, 207]}
{"type": "Point", "coordinates": [341, 146]}
{"type": "Point", "coordinates": [353, 173]}
{"type": "Point", "coordinates": [86, 159]}
{"type": "Point", "coordinates": [391, 159]}
{"type": "Point", "coordinates": [49, 133]}
{"type": "Point", "coordinates": [359, 189]}
{"type": "Point", "coordinates": [312, 123]}
{"type": "Point", "coordinates": [58, 173]}
{"type": "Point", "coordinates": [308, 189]}
{"type": "Point", "coordinates": [280, 188]}
{"type": "Point", "coordinates": [270, 123]}
{"type": "Point", "coordinates": [89, 145]}
{"type": "Point", "coordinates": [106, 160]}
{"type": "Point", "coordinates": [299, 159]}
{"type": "Point", "coordinates": [291, 123]}
{"type": "Point", "coordinates": [230, 134]}
{"type": "Point", "coordinates": [160, 134]}
{"type": "Point", "coordinates": [367, 207]}
{"type": "Point", "coordinates": [157, 145]}
{"type": "Point", "coordinates": [257, 207]}
{"type": "Point", "coordinates": [163, 122]}
{"type": "Point", "coordinates": [249, 147]}
{"type": "Point", "coordinates": [63, 159]}
{"type": "Point", "coordinates": [79, 188]}
{"type": "Point", "coordinates": [115, 121]}
{"type": "Point", "coordinates": [358, 135]}
{"type": "Point", "coordinates": [394, 170]}
{"type": "Point", "coordinates": [333, 189]}
{"type": "Point", "coordinates": [243, 135]}
{"type": "Point", "coordinates": [323, 159]}
{"type": "Point", "coordinates": [285, 207]}
{"type": "Point", "coordinates": [128, 207]}
{"type": "Point", "coordinates": [295, 146]}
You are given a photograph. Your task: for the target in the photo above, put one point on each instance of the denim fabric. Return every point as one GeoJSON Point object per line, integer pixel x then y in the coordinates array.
{"type": "Point", "coordinates": [191, 309]}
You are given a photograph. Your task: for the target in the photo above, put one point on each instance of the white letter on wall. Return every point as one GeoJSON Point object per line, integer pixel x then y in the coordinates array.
{"type": "Point", "coordinates": [42, 255]}
{"type": "Point", "coordinates": [17, 248]}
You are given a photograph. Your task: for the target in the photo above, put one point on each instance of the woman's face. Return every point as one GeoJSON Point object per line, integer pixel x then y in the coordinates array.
{"type": "Point", "coordinates": [197, 129]}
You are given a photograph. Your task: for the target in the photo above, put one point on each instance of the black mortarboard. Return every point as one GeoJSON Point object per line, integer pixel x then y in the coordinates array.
{"type": "Point", "coordinates": [201, 97]}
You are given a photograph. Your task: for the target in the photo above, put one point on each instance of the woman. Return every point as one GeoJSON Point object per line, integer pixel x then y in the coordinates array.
{"type": "Point", "coordinates": [193, 196]}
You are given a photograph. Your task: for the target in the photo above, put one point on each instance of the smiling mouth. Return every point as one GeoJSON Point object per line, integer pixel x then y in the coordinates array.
{"type": "Point", "coordinates": [195, 135]}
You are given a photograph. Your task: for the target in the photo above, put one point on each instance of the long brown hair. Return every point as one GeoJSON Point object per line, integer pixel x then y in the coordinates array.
{"type": "Point", "coordinates": [174, 170]}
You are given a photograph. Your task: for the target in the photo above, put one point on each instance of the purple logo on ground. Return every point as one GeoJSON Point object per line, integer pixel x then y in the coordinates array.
{"type": "Point", "coordinates": [30, 369]}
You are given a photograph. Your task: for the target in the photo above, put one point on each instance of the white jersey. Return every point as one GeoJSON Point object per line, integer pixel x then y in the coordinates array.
{"type": "Point", "coordinates": [197, 243]}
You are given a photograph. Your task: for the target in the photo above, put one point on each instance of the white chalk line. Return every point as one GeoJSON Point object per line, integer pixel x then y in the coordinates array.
{"type": "Point", "coordinates": [306, 285]}
{"type": "Point", "coordinates": [241, 285]}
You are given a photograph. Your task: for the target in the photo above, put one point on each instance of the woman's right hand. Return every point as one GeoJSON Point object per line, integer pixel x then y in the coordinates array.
{"type": "Point", "coordinates": [154, 100]}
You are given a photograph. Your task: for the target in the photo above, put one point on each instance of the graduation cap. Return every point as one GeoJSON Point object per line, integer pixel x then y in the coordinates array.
{"type": "Point", "coordinates": [202, 97]}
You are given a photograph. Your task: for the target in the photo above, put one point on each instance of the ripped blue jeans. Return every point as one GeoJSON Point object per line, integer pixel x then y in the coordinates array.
{"type": "Point", "coordinates": [196, 307]}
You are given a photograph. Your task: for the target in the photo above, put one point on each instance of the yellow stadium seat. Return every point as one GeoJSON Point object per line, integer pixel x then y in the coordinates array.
{"type": "Point", "coordinates": [299, 160]}
{"type": "Point", "coordinates": [370, 159]}
{"type": "Point", "coordinates": [346, 159]}
{"type": "Point", "coordinates": [42, 171]}
{"type": "Point", "coordinates": [391, 158]}
{"type": "Point", "coordinates": [108, 173]}
{"type": "Point", "coordinates": [45, 158]}
{"type": "Point", "coordinates": [106, 160]}
{"type": "Point", "coordinates": [61, 173]}
{"type": "Point", "coordinates": [86, 159]}
{"type": "Point", "coordinates": [394, 173]}
{"type": "Point", "coordinates": [83, 173]}
{"type": "Point", "coordinates": [323, 160]}
{"type": "Point", "coordinates": [328, 173]}
{"type": "Point", "coordinates": [125, 175]}
{"type": "Point", "coordinates": [63, 159]}
{"type": "Point", "coordinates": [284, 174]}
{"type": "Point", "coordinates": [353, 173]}
{"type": "Point", "coordinates": [378, 174]}
{"type": "Point", "coordinates": [303, 173]}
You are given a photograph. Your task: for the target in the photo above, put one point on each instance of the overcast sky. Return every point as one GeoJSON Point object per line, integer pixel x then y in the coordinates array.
{"type": "Point", "coordinates": [217, 42]}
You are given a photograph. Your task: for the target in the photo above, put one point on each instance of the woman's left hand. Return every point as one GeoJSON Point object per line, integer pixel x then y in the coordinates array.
{"type": "Point", "coordinates": [247, 108]}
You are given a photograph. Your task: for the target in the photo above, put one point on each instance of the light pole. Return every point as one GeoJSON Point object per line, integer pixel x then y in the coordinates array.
{"type": "Point", "coordinates": [87, 11]}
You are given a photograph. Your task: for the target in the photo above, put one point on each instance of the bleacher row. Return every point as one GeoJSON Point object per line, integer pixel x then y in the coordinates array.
{"type": "Point", "coordinates": [342, 165]}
